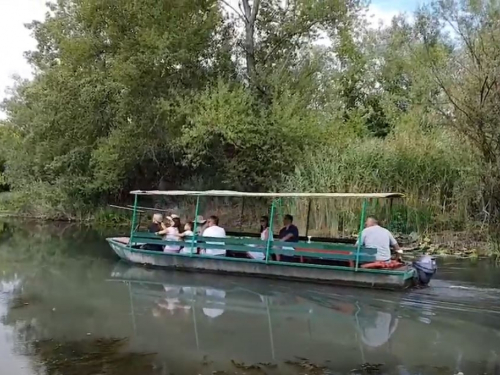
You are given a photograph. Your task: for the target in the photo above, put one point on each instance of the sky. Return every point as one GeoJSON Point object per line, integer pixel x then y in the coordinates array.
{"type": "Point", "coordinates": [16, 39]}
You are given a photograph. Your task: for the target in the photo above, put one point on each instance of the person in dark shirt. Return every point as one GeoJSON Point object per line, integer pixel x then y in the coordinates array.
{"type": "Point", "coordinates": [289, 233]}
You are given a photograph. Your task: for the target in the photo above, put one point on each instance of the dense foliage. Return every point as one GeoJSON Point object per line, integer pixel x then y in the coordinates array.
{"type": "Point", "coordinates": [295, 95]}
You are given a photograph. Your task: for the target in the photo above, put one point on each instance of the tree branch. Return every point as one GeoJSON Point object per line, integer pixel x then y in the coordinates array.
{"type": "Point", "coordinates": [243, 18]}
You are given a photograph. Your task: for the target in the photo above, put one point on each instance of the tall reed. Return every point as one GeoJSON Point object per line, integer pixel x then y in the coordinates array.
{"type": "Point", "coordinates": [436, 174]}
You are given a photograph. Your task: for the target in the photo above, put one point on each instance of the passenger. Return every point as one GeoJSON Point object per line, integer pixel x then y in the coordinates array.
{"type": "Point", "coordinates": [289, 233]}
{"type": "Point", "coordinates": [156, 223]}
{"type": "Point", "coordinates": [374, 236]}
{"type": "Point", "coordinates": [201, 224]}
{"type": "Point", "coordinates": [264, 236]}
{"type": "Point", "coordinates": [170, 233]}
{"type": "Point", "coordinates": [264, 229]}
{"type": "Point", "coordinates": [177, 222]}
{"type": "Point", "coordinates": [213, 230]}
{"type": "Point", "coordinates": [188, 232]}
{"type": "Point", "coordinates": [155, 227]}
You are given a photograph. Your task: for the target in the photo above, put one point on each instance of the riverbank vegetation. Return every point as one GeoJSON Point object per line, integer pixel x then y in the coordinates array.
{"type": "Point", "coordinates": [295, 96]}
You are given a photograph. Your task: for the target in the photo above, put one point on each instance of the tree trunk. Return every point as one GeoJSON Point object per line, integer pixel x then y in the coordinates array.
{"type": "Point", "coordinates": [250, 16]}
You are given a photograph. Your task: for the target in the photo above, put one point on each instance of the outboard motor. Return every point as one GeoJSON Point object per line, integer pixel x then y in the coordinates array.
{"type": "Point", "coordinates": [426, 267]}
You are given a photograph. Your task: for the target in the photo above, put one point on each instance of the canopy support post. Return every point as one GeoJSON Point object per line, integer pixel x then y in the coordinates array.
{"type": "Point", "coordinates": [308, 216]}
{"type": "Point", "coordinates": [270, 236]}
{"type": "Point", "coordinates": [361, 225]}
{"type": "Point", "coordinates": [195, 229]}
{"type": "Point", "coordinates": [134, 215]}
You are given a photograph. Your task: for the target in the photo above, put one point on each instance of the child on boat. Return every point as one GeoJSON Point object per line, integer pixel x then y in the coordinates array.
{"type": "Point", "coordinates": [188, 232]}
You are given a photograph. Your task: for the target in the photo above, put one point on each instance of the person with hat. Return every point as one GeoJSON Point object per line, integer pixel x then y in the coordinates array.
{"type": "Point", "coordinates": [201, 224]}
{"type": "Point", "coordinates": [177, 222]}
{"type": "Point", "coordinates": [155, 227]}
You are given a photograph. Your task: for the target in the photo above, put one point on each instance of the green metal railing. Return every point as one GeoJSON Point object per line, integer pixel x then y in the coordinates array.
{"type": "Point", "coordinates": [195, 228]}
{"type": "Point", "coordinates": [361, 226]}
{"type": "Point", "coordinates": [134, 216]}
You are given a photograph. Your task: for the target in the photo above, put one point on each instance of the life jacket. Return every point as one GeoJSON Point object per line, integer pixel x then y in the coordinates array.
{"type": "Point", "coordinates": [383, 265]}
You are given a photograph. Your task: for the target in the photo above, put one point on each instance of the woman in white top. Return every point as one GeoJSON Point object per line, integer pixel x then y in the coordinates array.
{"type": "Point", "coordinates": [171, 233]}
{"type": "Point", "coordinates": [264, 229]}
{"type": "Point", "coordinates": [264, 236]}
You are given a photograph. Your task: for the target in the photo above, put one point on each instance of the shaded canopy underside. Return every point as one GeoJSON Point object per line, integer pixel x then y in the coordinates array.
{"type": "Point", "coordinates": [229, 193]}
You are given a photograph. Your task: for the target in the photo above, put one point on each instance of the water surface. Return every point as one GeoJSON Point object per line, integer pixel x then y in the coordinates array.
{"type": "Point", "coordinates": [68, 306]}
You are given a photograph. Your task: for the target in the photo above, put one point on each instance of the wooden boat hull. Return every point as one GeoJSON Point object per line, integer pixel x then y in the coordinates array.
{"type": "Point", "coordinates": [381, 279]}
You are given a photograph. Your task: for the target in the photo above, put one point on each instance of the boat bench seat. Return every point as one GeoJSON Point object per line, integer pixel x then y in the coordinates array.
{"type": "Point", "coordinates": [325, 251]}
{"type": "Point", "coordinates": [303, 251]}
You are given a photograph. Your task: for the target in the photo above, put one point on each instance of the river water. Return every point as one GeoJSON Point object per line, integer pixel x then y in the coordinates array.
{"type": "Point", "coordinates": [69, 307]}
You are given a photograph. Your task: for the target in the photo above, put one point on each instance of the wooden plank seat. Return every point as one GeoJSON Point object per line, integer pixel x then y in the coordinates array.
{"type": "Point", "coordinates": [310, 252]}
{"type": "Point", "coordinates": [302, 251]}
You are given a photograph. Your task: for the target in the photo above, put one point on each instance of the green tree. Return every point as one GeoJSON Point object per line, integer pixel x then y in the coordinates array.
{"type": "Point", "coordinates": [469, 82]}
{"type": "Point", "coordinates": [94, 121]}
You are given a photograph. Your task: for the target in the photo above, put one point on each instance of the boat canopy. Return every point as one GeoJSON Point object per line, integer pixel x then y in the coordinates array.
{"type": "Point", "coordinates": [229, 193]}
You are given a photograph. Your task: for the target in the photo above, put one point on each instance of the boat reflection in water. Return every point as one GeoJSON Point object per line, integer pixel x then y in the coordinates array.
{"type": "Point", "coordinates": [180, 300]}
{"type": "Point", "coordinates": [252, 321]}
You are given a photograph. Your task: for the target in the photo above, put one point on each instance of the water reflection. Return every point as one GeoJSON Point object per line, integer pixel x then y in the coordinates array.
{"type": "Point", "coordinates": [376, 327]}
{"type": "Point", "coordinates": [180, 300]}
{"type": "Point", "coordinates": [278, 324]}
{"type": "Point", "coordinates": [62, 299]}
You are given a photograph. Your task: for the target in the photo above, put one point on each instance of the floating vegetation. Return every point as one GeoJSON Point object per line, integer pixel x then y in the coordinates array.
{"type": "Point", "coordinates": [369, 368]}
{"type": "Point", "coordinates": [268, 364]}
{"type": "Point", "coordinates": [94, 356]}
{"type": "Point", "coordinates": [22, 301]}
{"type": "Point", "coordinates": [308, 366]}
{"type": "Point", "coordinates": [243, 366]}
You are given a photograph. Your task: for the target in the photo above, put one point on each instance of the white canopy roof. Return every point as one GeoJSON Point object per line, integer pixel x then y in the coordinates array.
{"type": "Point", "coordinates": [229, 193]}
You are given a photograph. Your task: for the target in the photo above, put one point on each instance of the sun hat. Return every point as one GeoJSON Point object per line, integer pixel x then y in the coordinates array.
{"type": "Point", "coordinates": [200, 219]}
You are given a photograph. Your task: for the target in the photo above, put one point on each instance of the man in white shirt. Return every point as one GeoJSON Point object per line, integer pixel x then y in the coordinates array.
{"type": "Point", "coordinates": [374, 236]}
{"type": "Point", "coordinates": [213, 230]}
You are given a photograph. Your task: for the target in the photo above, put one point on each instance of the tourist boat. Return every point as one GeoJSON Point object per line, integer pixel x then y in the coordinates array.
{"type": "Point", "coordinates": [331, 262]}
